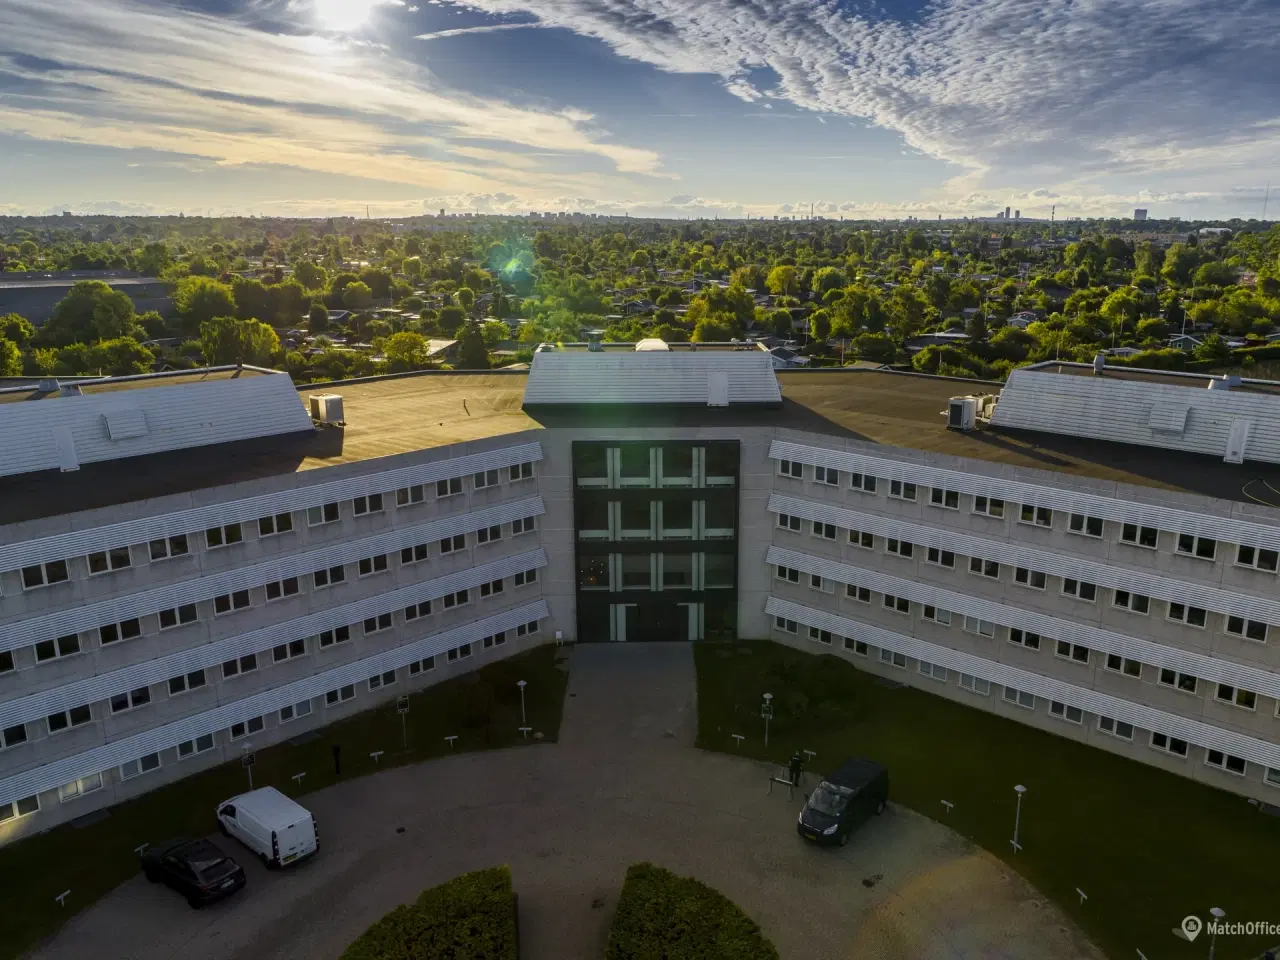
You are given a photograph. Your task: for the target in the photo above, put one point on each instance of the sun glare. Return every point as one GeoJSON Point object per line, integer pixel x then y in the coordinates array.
{"type": "Point", "coordinates": [343, 15]}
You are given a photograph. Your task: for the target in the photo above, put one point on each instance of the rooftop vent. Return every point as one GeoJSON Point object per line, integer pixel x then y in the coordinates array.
{"type": "Point", "coordinates": [962, 413]}
{"type": "Point", "coordinates": [327, 408]}
{"type": "Point", "coordinates": [1224, 382]}
{"type": "Point", "coordinates": [1099, 363]}
{"type": "Point", "coordinates": [70, 390]}
{"type": "Point", "coordinates": [651, 345]}
{"type": "Point", "coordinates": [47, 385]}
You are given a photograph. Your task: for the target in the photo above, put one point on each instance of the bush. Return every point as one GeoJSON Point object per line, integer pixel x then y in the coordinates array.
{"type": "Point", "coordinates": [662, 915]}
{"type": "Point", "coordinates": [472, 917]}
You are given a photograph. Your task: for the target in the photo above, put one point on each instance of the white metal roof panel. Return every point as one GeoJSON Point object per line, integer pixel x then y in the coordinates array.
{"type": "Point", "coordinates": [706, 378]}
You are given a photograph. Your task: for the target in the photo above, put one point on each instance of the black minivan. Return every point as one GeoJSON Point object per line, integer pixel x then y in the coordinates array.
{"type": "Point", "coordinates": [843, 800]}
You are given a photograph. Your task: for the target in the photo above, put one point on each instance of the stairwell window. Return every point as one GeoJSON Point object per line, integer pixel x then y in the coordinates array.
{"type": "Point", "coordinates": [1260, 558]}
{"type": "Point", "coordinates": [1185, 682]}
{"type": "Point", "coordinates": [827, 531]}
{"type": "Point", "coordinates": [975, 684]}
{"type": "Point", "coordinates": [449, 487]}
{"type": "Point", "coordinates": [1225, 761]}
{"type": "Point", "coordinates": [201, 744]}
{"type": "Point", "coordinates": [370, 503]}
{"type": "Point", "coordinates": [185, 682]}
{"type": "Point", "coordinates": [785, 625]}
{"type": "Point", "coordinates": [223, 536]}
{"type": "Point", "coordinates": [901, 548]}
{"type": "Point", "coordinates": [489, 534]}
{"type": "Point", "coordinates": [1064, 711]}
{"type": "Point", "coordinates": [788, 522]}
{"type": "Point", "coordinates": [989, 506]}
{"type": "Point", "coordinates": [280, 589]}
{"type": "Point", "coordinates": [178, 616]}
{"type": "Point", "coordinates": [1191, 616]}
{"type": "Point", "coordinates": [330, 638]}
{"type": "Point", "coordinates": [1139, 536]}
{"type": "Point", "coordinates": [1036, 516]}
{"type": "Point", "coordinates": [862, 481]}
{"type": "Point", "coordinates": [861, 594]}
{"type": "Point", "coordinates": [43, 575]}
{"type": "Point", "coordinates": [1202, 548]}
{"type": "Point", "coordinates": [407, 496]}
{"type": "Point", "coordinates": [57, 648]}
{"type": "Point", "coordinates": [1118, 664]}
{"type": "Point", "coordinates": [902, 490]}
{"type": "Point", "coordinates": [936, 615]}
{"type": "Point", "coordinates": [1071, 651]}
{"type": "Point", "coordinates": [1133, 602]}
{"type": "Point", "coordinates": [452, 544]}
{"type": "Point", "coordinates": [414, 554]}
{"type": "Point", "coordinates": [168, 547]}
{"type": "Point", "coordinates": [829, 476]}
{"type": "Point", "coordinates": [1080, 589]}
{"type": "Point", "coordinates": [861, 539]}
{"type": "Point", "coordinates": [238, 665]}
{"type": "Point", "coordinates": [274, 525]}
{"type": "Point", "coordinates": [523, 577]}
{"type": "Point", "coordinates": [341, 695]}
{"type": "Point", "coordinates": [490, 588]}
{"type": "Point", "coordinates": [1085, 525]}
{"type": "Point", "coordinates": [107, 561]}
{"type": "Point", "coordinates": [897, 604]}
{"type": "Point", "coordinates": [231, 602]}
{"type": "Point", "coordinates": [947, 499]}
{"type": "Point", "coordinates": [124, 630]}
{"type": "Point", "coordinates": [984, 568]}
{"type": "Point", "coordinates": [1236, 696]}
{"type": "Point", "coordinates": [238, 731]}
{"type": "Point", "coordinates": [1024, 638]}
{"type": "Point", "coordinates": [368, 566]}
{"type": "Point", "coordinates": [378, 623]}
{"type": "Point", "coordinates": [325, 513]}
{"type": "Point", "coordinates": [819, 635]}
{"type": "Point", "coordinates": [1167, 744]}
{"type": "Point", "coordinates": [521, 471]}
{"type": "Point", "coordinates": [1249, 629]}
{"type": "Point", "coordinates": [941, 558]}
{"type": "Point", "coordinates": [983, 628]}
{"type": "Point", "coordinates": [328, 576]}
{"type": "Point", "coordinates": [484, 479]}
{"type": "Point", "coordinates": [1019, 698]}
{"type": "Point", "coordinates": [1116, 728]}
{"type": "Point", "coordinates": [933, 671]}
{"type": "Point", "coordinates": [791, 468]}
{"type": "Point", "coordinates": [523, 525]}
{"type": "Point", "coordinates": [1035, 579]}
{"type": "Point", "coordinates": [789, 574]}
{"type": "Point", "coordinates": [893, 658]}
{"type": "Point", "coordinates": [416, 611]}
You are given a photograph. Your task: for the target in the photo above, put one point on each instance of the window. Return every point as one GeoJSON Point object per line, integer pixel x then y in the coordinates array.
{"type": "Point", "coordinates": [178, 616]}
{"type": "Point", "coordinates": [897, 604]}
{"type": "Point", "coordinates": [168, 547]}
{"type": "Point", "coordinates": [454, 543]}
{"type": "Point", "coordinates": [1024, 638]}
{"type": "Point", "coordinates": [238, 665]}
{"type": "Point", "coordinates": [1249, 629]}
{"type": "Point", "coordinates": [322, 514]}
{"type": "Point", "coordinates": [1139, 536]}
{"type": "Point", "coordinates": [287, 651]}
{"type": "Point", "coordinates": [902, 490]}
{"type": "Point", "coordinates": [329, 576]}
{"type": "Point", "coordinates": [189, 748]}
{"type": "Point", "coordinates": [136, 768]}
{"type": "Point", "coordinates": [1064, 711]}
{"type": "Point", "coordinates": [416, 611]}
{"type": "Point", "coordinates": [124, 630]}
{"type": "Point", "coordinates": [370, 503]}
{"type": "Point", "coordinates": [1271, 777]}
{"type": "Point", "coordinates": [241, 730]}
{"type": "Point", "coordinates": [862, 481]}
{"type": "Point", "coordinates": [1224, 761]}
{"type": "Point", "coordinates": [1119, 664]}
{"type": "Point", "coordinates": [1085, 525]}
{"type": "Point", "coordinates": [380, 680]}
{"type": "Point", "coordinates": [791, 468]}
{"type": "Point", "coordinates": [287, 587]}
{"type": "Point", "coordinates": [983, 628]}
{"type": "Point", "coordinates": [521, 471]}
{"type": "Point", "coordinates": [525, 629]}
{"type": "Point", "coordinates": [1203, 548]}
{"type": "Point", "coordinates": [458, 653]}
{"type": "Point", "coordinates": [292, 712]}
{"type": "Point", "coordinates": [861, 594]}
{"type": "Point", "coordinates": [449, 488]}
{"type": "Point", "coordinates": [105, 561]}
{"type": "Point", "coordinates": [410, 495]}
{"type": "Point", "coordinates": [827, 531]}
{"type": "Point", "coordinates": [942, 558]}
{"type": "Point", "coordinates": [275, 524]}
{"type": "Point", "coordinates": [1133, 602]}
{"type": "Point", "coordinates": [1162, 741]}
{"type": "Point", "coordinates": [19, 808]}
{"type": "Point", "coordinates": [12, 736]}
{"type": "Point", "coordinates": [228, 602]}
{"type": "Point", "coordinates": [1191, 616]}
{"type": "Point", "coordinates": [1071, 651]}
{"type": "Point", "coordinates": [789, 574]}
{"type": "Point", "coordinates": [223, 536]}
{"type": "Point", "coordinates": [990, 506]}
{"type": "Point", "coordinates": [459, 599]}
{"type": "Point", "coordinates": [377, 624]}
{"type": "Point", "coordinates": [414, 554]}
{"type": "Point", "coordinates": [1257, 557]}
{"type": "Point", "coordinates": [421, 666]}
{"type": "Point", "coordinates": [1020, 698]}
{"type": "Point", "coordinates": [949, 499]}
{"type": "Point", "coordinates": [523, 525]}
{"type": "Point", "coordinates": [1080, 589]}
{"type": "Point", "coordinates": [937, 616]}
{"type": "Point", "coordinates": [975, 684]}
{"type": "Point", "coordinates": [1029, 578]}
{"type": "Point", "coordinates": [984, 568]}
{"type": "Point", "coordinates": [77, 788]}
{"type": "Point", "coordinates": [489, 534]}
{"type": "Point", "coordinates": [857, 646]}
{"type": "Point", "coordinates": [6, 660]}
{"type": "Point", "coordinates": [1182, 681]}
{"type": "Point", "coordinates": [821, 636]}
{"type": "Point", "coordinates": [1116, 728]}
{"type": "Point", "coordinates": [933, 671]}
{"type": "Point", "coordinates": [186, 681]}
{"type": "Point", "coordinates": [787, 522]}
{"type": "Point", "coordinates": [42, 575]}
{"type": "Point", "coordinates": [66, 719]}
{"type": "Point", "coordinates": [785, 625]}
{"type": "Point", "coordinates": [1037, 516]}
{"type": "Point", "coordinates": [484, 479]}
{"type": "Point", "coordinates": [497, 640]}
{"type": "Point", "coordinates": [1236, 696]}
{"type": "Point", "coordinates": [903, 548]}
{"type": "Point", "coordinates": [893, 658]}
{"type": "Point", "coordinates": [57, 648]}
{"type": "Point", "coordinates": [861, 539]}
{"type": "Point", "coordinates": [371, 565]}
{"type": "Point", "coordinates": [127, 701]}
{"type": "Point", "coordinates": [335, 636]}
{"type": "Point", "coordinates": [828, 475]}
{"type": "Point", "coordinates": [490, 588]}
{"type": "Point", "coordinates": [523, 577]}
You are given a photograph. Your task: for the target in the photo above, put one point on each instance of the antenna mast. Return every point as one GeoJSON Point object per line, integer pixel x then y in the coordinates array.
{"type": "Point", "coordinates": [1265, 198]}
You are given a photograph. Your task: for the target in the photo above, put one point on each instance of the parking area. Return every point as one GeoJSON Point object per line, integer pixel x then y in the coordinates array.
{"type": "Point", "coordinates": [624, 784]}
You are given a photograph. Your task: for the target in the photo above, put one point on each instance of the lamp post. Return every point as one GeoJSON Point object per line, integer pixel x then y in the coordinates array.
{"type": "Point", "coordinates": [524, 721]}
{"type": "Point", "coordinates": [766, 711]}
{"type": "Point", "coordinates": [1017, 817]}
{"type": "Point", "coordinates": [1218, 914]}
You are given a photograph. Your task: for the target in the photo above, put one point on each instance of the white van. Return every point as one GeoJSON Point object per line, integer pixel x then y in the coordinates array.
{"type": "Point", "coordinates": [277, 829]}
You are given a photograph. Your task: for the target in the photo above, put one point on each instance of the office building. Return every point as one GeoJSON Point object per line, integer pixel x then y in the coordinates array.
{"type": "Point", "coordinates": [1139, 214]}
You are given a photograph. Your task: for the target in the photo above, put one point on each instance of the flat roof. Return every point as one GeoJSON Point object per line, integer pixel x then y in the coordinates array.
{"type": "Point", "coordinates": [71, 281]}
{"type": "Point", "coordinates": [31, 389]}
{"type": "Point", "coordinates": [1198, 381]}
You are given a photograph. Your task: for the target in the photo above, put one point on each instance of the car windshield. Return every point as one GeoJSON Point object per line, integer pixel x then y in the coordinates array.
{"type": "Point", "coordinates": [830, 799]}
{"type": "Point", "coordinates": [210, 868]}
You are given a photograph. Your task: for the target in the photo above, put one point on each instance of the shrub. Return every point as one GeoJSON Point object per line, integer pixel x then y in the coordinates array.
{"type": "Point", "coordinates": [662, 915]}
{"type": "Point", "coordinates": [472, 917]}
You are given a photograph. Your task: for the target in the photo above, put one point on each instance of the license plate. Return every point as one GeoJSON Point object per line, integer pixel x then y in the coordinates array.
{"type": "Point", "coordinates": [811, 836]}
{"type": "Point", "coordinates": [229, 882]}
{"type": "Point", "coordinates": [292, 856]}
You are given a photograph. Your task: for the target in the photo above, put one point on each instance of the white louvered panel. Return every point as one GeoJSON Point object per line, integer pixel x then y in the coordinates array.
{"type": "Point", "coordinates": [1105, 641]}
{"type": "Point", "coordinates": [658, 377]}
{"type": "Point", "coordinates": [1055, 498]}
{"type": "Point", "coordinates": [1147, 718]}
{"type": "Point", "coordinates": [81, 542]}
{"type": "Point", "coordinates": [50, 776]}
{"type": "Point", "coordinates": [39, 705]}
{"type": "Point", "coordinates": [1060, 565]}
{"type": "Point", "coordinates": [19, 633]}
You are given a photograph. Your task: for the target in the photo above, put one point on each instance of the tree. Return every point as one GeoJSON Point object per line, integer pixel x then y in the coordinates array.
{"type": "Point", "coordinates": [826, 279]}
{"type": "Point", "coordinates": [251, 297]}
{"type": "Point", "coordinates": [357, 296]}
{"type": "Point", "coordinates": [120, 357]}
{"type": "Point", "coordinates": [472, 353]}
{"type": "Point", "coordinates": [90, 311]}
{"type": "Point", "coordinates": [318, 319]}
{"type": "Point", "coordinates": [875, 347]}
{"type": "Point", "coordinates": [1215, 274]}
{"type": "Point", "coordinates": [1153, 328]}
{"type": "Point", "coordinates": [310, 275]}
{"type": "Point", "coordinates": [1122, 307]}
{"type": "Point", "coordinates": [407, 351]}
{"type": "Point", "coordinates": [711, 330]}
{"type": "Point", "coordinates": [10, 359]}
{"type": "Point", "coordinates": [906, 312]}
{"type": "Point", "coordinates": [466, 298]}
{"type": "Point", "coordinates": [1180, 263]}
{"type": "Point", "coordinates": [225, 340]}
{"type": "Point", "coordinates": [976, 327]}
{"type": "Point", "coordinates": [780, 321]}
{"type": "Point", "coordinates": [16, 329]}
{"type": "Point", "coordinates": [412, 267]}
{"type": "Point", "coordinates": [1213, 348]}
{"type": "Point", "coordinates": [783, 280]}
{"type": "Point", "coordinates": [495, 331]}
{"type": "Point", "coordinates": [820, 325]}
{"type": "Point", "coordinates": [451, 320]}
{"type": "Point", "coordinates": [152, 260]}
{"type": "Point", "coordinates": [200, 299]}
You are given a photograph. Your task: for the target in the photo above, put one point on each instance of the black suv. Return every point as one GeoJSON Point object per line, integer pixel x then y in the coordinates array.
{"type": "Point", "coordinates": [843, 800]}
{"type": "Point", "coordinates": [195, 868]}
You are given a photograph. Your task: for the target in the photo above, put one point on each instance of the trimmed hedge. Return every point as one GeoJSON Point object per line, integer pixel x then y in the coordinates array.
{"type": "Point", "coordinates": [665, 917]}
{"type": "Point", "coordinates": [472, 917]}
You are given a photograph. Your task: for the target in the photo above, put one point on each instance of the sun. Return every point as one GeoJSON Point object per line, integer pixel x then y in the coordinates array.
{"type": "Point", "coordinates": [343, 16]}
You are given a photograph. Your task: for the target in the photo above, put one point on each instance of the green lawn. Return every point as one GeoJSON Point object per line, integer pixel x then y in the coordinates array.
{"type": "Point", "coordinates": [482, 708]}
{"type": "Point", "coordinates": [1147, 847]}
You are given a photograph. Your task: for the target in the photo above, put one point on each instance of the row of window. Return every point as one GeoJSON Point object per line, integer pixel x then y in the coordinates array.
{"type": "Point", "coordinates": [180, 545]}
{"type": "Point", "coordinates": [1133, 534]}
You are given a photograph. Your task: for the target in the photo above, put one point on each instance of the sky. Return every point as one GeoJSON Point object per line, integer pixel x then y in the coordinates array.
{"type": "Point", "coordinates": [674, 108]}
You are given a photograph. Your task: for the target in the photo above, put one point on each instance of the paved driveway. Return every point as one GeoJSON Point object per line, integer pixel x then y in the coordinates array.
{"type": "Point", "coordinates": [624, 784]}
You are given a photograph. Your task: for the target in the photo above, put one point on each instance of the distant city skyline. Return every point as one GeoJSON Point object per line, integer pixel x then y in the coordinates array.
{"type": "Point", "coordinates": [675, 108]}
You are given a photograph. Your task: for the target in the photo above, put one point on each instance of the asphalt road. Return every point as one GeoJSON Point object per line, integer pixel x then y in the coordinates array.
{"type": "Point", "coordinates": [623, 784]}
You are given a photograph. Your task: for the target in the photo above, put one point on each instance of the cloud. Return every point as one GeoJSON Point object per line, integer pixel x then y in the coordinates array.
{"type": "Point", "coordinates": [467, 31]}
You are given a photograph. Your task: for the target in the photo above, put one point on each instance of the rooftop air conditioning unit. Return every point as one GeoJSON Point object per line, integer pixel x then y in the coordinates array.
{"type": "Point", "coordinates": [327, 408]}
{"type": "Point", "coordinates": [962, 413]}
